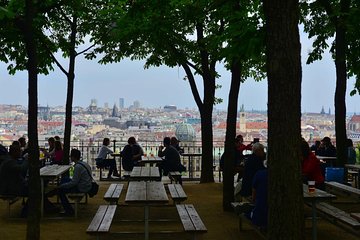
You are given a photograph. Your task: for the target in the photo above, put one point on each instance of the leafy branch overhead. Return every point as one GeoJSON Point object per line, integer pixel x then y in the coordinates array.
{"type": "Point", "coordinates": [320, 19]}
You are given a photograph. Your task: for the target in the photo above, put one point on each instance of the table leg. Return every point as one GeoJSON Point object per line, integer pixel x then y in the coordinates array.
{"type": "Point", "coordinates": [146, 218]}
{"type": "Point", "coordinates": [190, 168]}
{"type": "Point", "coordinates": [42, 197]}
{"type": "Point", "coordinates": [120, 167]}
{"type": "Point", "coordinates": [314, 227]}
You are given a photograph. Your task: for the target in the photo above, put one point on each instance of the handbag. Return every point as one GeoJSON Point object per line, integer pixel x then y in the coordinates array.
{"type": "Point", "coordinates": [94, 186]}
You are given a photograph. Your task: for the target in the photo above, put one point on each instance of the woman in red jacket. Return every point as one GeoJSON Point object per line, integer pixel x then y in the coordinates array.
{"type": "Point", "coordinates": [311, 169]}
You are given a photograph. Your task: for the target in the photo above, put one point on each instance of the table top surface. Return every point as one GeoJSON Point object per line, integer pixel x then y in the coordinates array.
{"type": "Point", "coordinates": [53, 170]}
{"type": "Point", "coordinates": [146, 192]}
{"type": "Point", "coordinates": [191, 154]}
{"type": "Point", "coordinates": [325, 157]}
{"type": "Point", "coordinates": [151, 159]}
{"type": "Point", "coordinates": [145, 172]}
{"type": "Point", "coordinates": [115, 154]}
{"type": "Point", "coordinates": [317, 195]}
{"type": "Point", "coordinates": [354, 166]}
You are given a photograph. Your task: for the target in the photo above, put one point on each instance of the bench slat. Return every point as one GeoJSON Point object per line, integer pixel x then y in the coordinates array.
{"type": "Point", "coordinates": [338, 214]}
{"type": "Point", "coordinates": [177, 192]}
{"type": "Point", "coordinates": [355, 215]}
{"type": "Point", "coordinates": [195, 218]}
{"type": "Point", "coordinates": [118, 191]}
{"type": "Point", "coordinates": [106, 222]}
{"type": "Point", "coordinates": [110, 191]}
{"type": "Point", "coordinates": [113, 193]}
{"type": "Point", "coordinates": [96, 221]}
{"type": "Point", "coordinates": [343, 188]}
{"type": "Point", "coordinates": [190, 218]}
{"type": "Point", "coordinates": [185, 218]}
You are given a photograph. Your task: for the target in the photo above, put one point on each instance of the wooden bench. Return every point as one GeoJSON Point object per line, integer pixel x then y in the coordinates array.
{"type": "Point", "coordinates": [175, 176]}
{"type": "Point", "coordinates": [76, 197]}
{"type": "Point", "coordinates": [100, 224]}
{"type": "Point", "coordinates": [343, 189]}
{"type": "Point", "coordinates": [11, 199]}
{"type": "Point", "coordinates": [338, 217]}
{"type": "Point", "coordinates": [353, 175]}
{"type": "Point", "coordinates": [112, 195]}
{"type": "Point", "coordinates": [355, 215]}
{"type": "Point", "coordinates": [190, 219]}
{"type": "Point", "coordinates": [177, 193]}
{"type": "Point", "coordinates": [243, 218]}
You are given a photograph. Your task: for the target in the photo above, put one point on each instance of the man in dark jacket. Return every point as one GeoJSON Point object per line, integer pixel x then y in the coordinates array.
{"type": "Point", "coordinates": [12, 174]}
{"type": "Point", "coordinates": [172, 158]}
{"type": "Point", "coordinates": [253, 163]}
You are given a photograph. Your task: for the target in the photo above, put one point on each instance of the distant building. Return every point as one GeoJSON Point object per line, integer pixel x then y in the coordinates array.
{"type": "Point", "coordinates": [193, 121]}
{"type": "Point", "coordinates": [185, 132]}
{"type": "Point", "coordinates": [93, 106]}
{"type": "Point", "coordinates": [136, 104]}
{"type": "Point", "coordinates": [44, 113]}
{"type": "Point", "coordinates": [322, 110]}
{"type": "Point", "coordinates": [114, 122]}
{"type": "Point", "coordinates": [115, 112]}
{"type": "Point", "coordinates": [354, 123]}
{"type": "Point", "coordinates": [242, 122]}
{"type": "Point", "coordinates": [121, 103]}
{"type": "Point", "coordinates": [170, 108]}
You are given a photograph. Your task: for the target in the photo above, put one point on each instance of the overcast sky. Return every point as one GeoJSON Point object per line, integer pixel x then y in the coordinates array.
{"type": "Point", "coordinates": [159, 86]}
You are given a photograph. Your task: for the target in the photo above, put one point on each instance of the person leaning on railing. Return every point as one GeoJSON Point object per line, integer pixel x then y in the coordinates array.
{"type": "Point", "coordinates": [171, 162]}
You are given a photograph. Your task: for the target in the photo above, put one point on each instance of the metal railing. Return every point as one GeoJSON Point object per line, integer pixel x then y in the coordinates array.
{"type": "Point", "coordinates": [89, 150]}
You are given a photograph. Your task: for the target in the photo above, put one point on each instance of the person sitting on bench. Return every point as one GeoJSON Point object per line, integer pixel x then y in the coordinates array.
{"type": "Point", "coordinates": [102, 161]}
{"type": "Point", "coordinates": [80, 182]}
{"type": "Point", "coordinates": [171, 161]}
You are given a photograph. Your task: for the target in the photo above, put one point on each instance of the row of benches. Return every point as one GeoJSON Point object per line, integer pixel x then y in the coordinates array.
{"type": "Point", "coordinates": [102, 220]}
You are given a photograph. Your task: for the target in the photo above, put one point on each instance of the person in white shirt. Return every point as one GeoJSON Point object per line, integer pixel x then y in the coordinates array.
{"type": "Point", "coordinates": [102, 160]}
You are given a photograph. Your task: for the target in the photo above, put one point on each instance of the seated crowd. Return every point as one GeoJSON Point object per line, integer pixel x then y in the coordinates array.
{"type": "Point", "coordinates": [252, 190]}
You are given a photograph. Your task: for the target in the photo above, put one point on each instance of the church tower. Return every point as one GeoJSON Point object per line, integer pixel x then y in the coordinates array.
{"type": "Point", "coordinates": [242, 119]}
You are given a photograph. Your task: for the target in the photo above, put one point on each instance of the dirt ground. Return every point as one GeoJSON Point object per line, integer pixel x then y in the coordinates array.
{"type": "Point", "coordinates": [207, 199]}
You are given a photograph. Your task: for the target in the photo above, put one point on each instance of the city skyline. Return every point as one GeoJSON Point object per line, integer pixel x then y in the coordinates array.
{"type": "Point", "coordinates": [159, 86]}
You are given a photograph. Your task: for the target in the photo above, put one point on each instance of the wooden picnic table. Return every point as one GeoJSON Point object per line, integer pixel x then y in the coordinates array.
{"type": "Point", "coordinates": [49, 172]}
{"type": "Point", "coordinates": [317, 196]}
{"type": "Point", "coordinates": [146, 194]}
{"type": "Point", "coordinates": [150, 160]}
{"type": "Point", "coordinates": [355, 167]}
{"type": "Point", "coordinates": [326, 159]}
{"type": "Point", "coordinates": [145, 174]}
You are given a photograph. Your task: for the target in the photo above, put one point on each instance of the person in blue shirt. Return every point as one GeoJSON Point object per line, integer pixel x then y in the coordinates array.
{"type": "Point", "coordinates": [259, 195]}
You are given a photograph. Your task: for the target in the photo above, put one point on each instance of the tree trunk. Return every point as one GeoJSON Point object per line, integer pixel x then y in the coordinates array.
{"type": "Point", "coordinates": [284, 136]}
{"type": "Point", "coordinates": [228, 171]}
{"type": "Point", "coordinates": [341, 78]}
{"type": "Point", "coordinates": [340, 104]}
{"type": "Point", "coordinates": [207, 173]}
{"type": "Point", "coordinates": [205, 109]}
{"type": "Point", "coordinates": [33, 220]}
{"type": "Point", "coordinates": [70, 91]}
